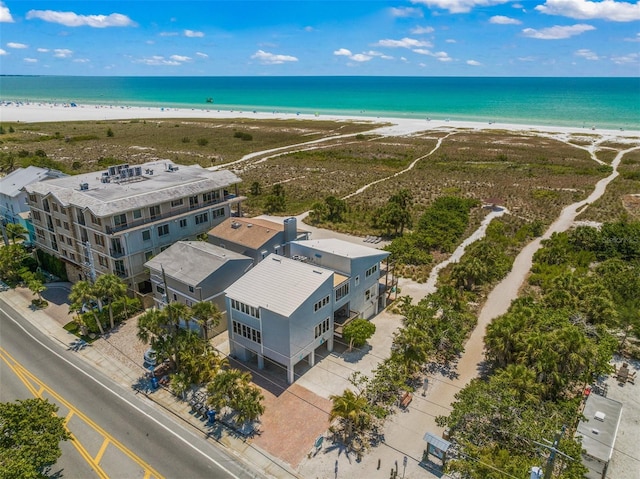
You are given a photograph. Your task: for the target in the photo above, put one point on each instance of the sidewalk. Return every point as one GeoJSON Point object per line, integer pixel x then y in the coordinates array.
{"type": "Point", "coordinates": [108, 359]}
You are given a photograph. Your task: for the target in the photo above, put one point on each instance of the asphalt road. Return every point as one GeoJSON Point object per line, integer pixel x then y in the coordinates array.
{"type": "Point", "coordinates": [120, 434]}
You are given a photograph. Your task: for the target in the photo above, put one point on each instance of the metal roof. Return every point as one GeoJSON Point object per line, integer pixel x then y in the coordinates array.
{"type": "Point", "coordinates": [342, 248]}
{"type": "Point", "coordinates": [162, 185]}
{"type": "Point", "coordinates": [191, 262]}
{"type": "Point", "coordinates": [279, 284]}
{"type": "Point", "coordinates": [437, 441]}
{"type": "Point", "coordinates": [12, 184]}
{"type": "Point", "coordinates": [599, 435]}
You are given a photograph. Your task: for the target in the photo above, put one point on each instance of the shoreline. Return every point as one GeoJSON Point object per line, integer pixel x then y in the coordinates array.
{"type": "Point", "coordinates": [43, 112]}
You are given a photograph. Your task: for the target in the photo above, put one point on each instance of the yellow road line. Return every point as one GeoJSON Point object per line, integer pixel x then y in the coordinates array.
{"type": "Point", "coordinates": [103, 448]}
{"type": "Point", "coordinates": [24, 373]}
{"type": "Point", "coordinates": [87, 457]}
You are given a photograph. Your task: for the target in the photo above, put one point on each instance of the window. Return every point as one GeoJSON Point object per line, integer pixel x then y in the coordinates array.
{"type": "Point", "coordinates": [183, 223]}
{"type": "Point", "coordinates": [146, 235]}
{"type": "Point", "coordinates": [40, 233]}
{"type": "Point", "coordinates": [247, 332]}
{"type": "Point", "coordinates": [154, 212]}
{"type": "Point", "coordinates": [245, 308]}
{"type": "Point", "coordinates": [163, 230]}
{"type": "Point", "coordinates": [64, 253]}
{"type": "Point", "coordinates": [98, 239]}
{"type": "Point", "coordinates": [69, 241]}
{"type": "Point", "coordinates": [55, 207]}
{"type": "Point", "coordinates": [159, 289]}
{"type": "Point", "coordinates": [202, 218]}
{"type": "Point", "coordinates": [207, 197]}
{"type": "Point", "coordinates": [65, 225]}
{"type": "Point", "coordinates": [32, 198]}
{"type": "Point", "coordinates": [357, 280]}
{"type": "Point", "coordinates": [72, 256]}
{"type": "Point", "coordinates": [102, 260]}
{"type": "Point", "coordinates": [95, 220]}
{"type": "Point", "coordinates": [321, 304]}
{"type": "Point", "coordinates": [148, 255]}
{"type": "Point", "coordinates": [371, 271]}
{"type": "Point", "coordinates": [342, 291]}
{"type": "Point", "coordinates": [367, 295]}
{"type": "Point", "coordinates": [58, 223]}
{"type": "Point", "coordinates": [63, 210]}
{"type": "Point", "coordinates": [36, 215]}
{"type": "Point", "coordinates": [193, 201]}
{"type": "Point", "coordinates": [191, 289]}
{"type": "Point", "coordinates": [217, 213]}
{"type": "Point", "coordinates": [137, 214]}
{"type": "Point", "coordinates": [322, 328]}
{"type": "Point", "coordinates": [120, 220]}
{"type": "Point", "coordinates": [175, 203]}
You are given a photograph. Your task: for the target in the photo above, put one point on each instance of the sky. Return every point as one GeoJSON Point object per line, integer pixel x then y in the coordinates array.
{"type": "Point", "coordinates": [320, 37]}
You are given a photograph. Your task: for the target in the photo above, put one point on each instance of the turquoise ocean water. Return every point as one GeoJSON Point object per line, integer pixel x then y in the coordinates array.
{"type": "Point", "coordinates": [601, 102]}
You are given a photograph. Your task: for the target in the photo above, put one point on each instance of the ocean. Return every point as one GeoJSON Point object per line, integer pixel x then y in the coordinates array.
{"type": "Point", "coordinates": [611, 103]}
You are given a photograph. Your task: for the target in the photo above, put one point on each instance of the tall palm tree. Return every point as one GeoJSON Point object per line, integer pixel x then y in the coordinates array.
{"type": "Point", "coordinates": [248, 403]}
{"type": "Point", "coordinates": [352, 409]}
{"type": "Point", "coordinates": [15, 231]}
{"type": "Point", "coordinates": [207, 315]}
{"type": "Point", "coordinates": [111, 287]}
{"type": "Point", "coordinates": [83, 293]}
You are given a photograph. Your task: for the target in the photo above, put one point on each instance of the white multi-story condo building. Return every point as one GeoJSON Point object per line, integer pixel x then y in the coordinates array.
{"type": "Point", "coordinates": [114, 221]}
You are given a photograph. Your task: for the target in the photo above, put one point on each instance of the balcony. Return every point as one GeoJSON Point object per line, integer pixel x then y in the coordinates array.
{"type": "Point", "coordinates": [228, 199]}
{"type": "Point", "coordinates": [116, 253]}
{"type": "Point", "coordinates": [121, 273]}
{"type": "Point", "coordinates": [341, 318]}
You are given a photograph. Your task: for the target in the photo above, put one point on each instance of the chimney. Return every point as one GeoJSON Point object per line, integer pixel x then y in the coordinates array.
{"type": "Point", "coordinates": [290, 233]}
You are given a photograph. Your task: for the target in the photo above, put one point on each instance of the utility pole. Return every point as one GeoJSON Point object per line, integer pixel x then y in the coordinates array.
{"type": "Point", "coordinates": [548, 470]}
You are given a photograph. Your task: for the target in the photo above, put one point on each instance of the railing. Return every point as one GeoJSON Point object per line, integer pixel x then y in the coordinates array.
{"type": "Point", "coordinates": [174, 212]}
{"type": "Point", "coordinates": [121, 273]}
{"type": "Point", "coordinates": [115, 253]}
{"type": "Point", "coordinates": [339, 322]}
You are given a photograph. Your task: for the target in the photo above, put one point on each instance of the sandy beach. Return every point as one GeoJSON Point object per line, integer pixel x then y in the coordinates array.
{"type": "Point", "coordinates": [37, 112]}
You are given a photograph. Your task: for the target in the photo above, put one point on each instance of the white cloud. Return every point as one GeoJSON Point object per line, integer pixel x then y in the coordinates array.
{"type": "Point", "coordinates": [557, 32]}
{"type": "Point", "coordinates": [5, 14]}
{"type": "Point", "coordinates": [502, 20]}
{"type": "Point", "coordinates": [375, 53]}
{"type": "Point", "coordinates": [633, 39]}
{"type": "Point", "coordinates": [42, 50]}
{"type": "Point", "coordinates": [309, 28]}
{"type": "Point", "coordinates": [3, 52]}
{"type": "Point", "coordinates": [193, 34]}
{"type": "Point", "coordinates": [202, 55]}
{"type": "Point", "coordinates": [404, 43]}
{"type": "Point", "coordinates": [169, 34]}
{"type": "Point", "coordinates": [180, 58]}
{"type": "Point", "coordinates": [586, 54]}
{"type": "Point", "coordinates": [422, 30]}
{"type": "Point", "coordinates": [360, 57]}
{"type": "Point", "coordinates": [405, 12]}
{"type": "Point", "coordinates": [31, 60]}
{"type": "Point", "coordinates": [588, 10]}
{"type": "Point", "coordinates": [157, 60]}
{"type": "Point", "coordinates": [458, 6]}
{"type": "Point", "coordinates": [62, 52]}
{"type": "Point", "coordinates": [474, 63]}
{"type": "Point", "coordinates": [440, 56]}
{"type": "Point", "coordinates": [17, 45]}
{"type": "Point", "coordinates": [81, 60]}
{"type": "Point", "coordinates": [626, 59]}
{"type": "Point", "coordinates": [267, 58]}
{"type": "Point", "coordinates": [527, 59]}
{"type": "Point", "coordinates": [450, 40]}
{"type": "Point", "coordinates": [343, 52]}
{"type": "Point", "coordinates": [71, 19]}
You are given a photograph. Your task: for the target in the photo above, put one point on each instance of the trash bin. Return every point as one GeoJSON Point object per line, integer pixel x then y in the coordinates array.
{"type": "Point", "coordinates": [154, 383]}
{"type": "Point", "coordinates": [211, 416]}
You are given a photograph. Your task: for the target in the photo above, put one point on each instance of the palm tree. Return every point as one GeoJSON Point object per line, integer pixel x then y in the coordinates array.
{"type": "Point", "coordinates": [351, 409]}
{"type": "Point", "coordinates": [111, 287]}
{"type": "Point", "coordinates": [247, 403]}
{"type": "Point", "coordinates": [83, 293]}
{"type": "Point", "coordinates": [206, 315]}
{"type": "Point", "coordinates": [224, 386]}
{"type": "Point", "coordinates": [15, 231]}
